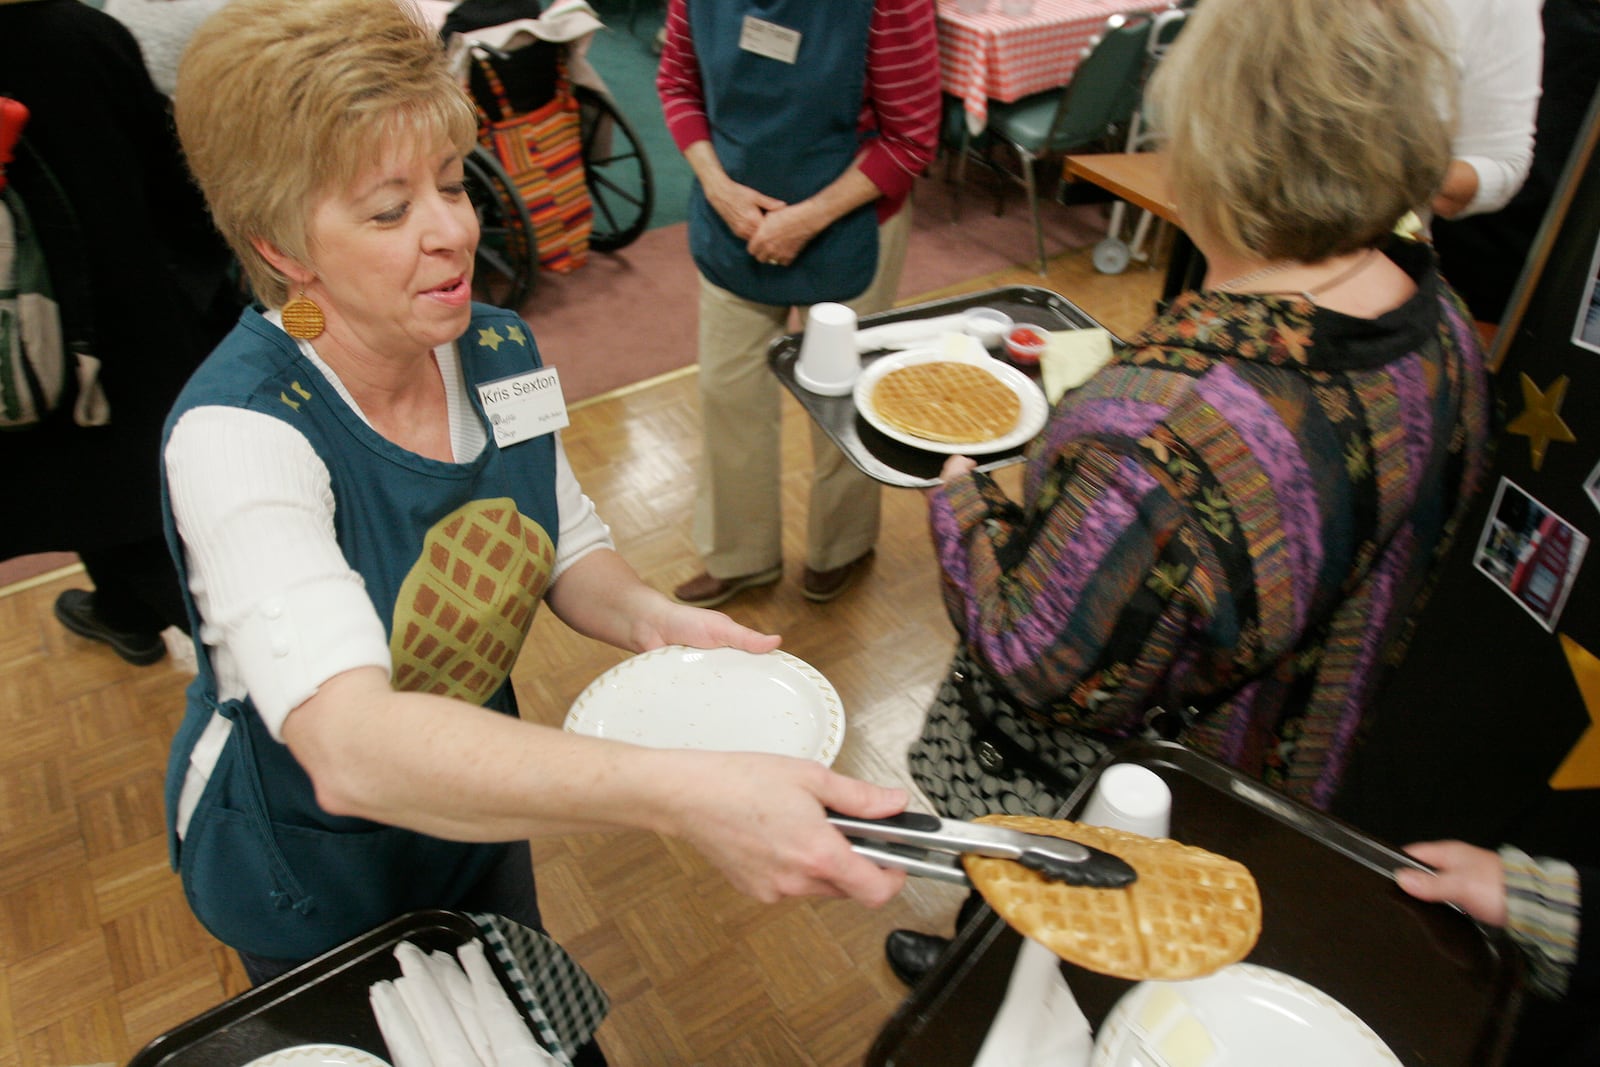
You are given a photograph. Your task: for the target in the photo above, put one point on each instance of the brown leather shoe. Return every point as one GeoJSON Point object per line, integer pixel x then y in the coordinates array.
{"type": "Point", "coordinates": [706, 591]}
{"type": "Point", "coordinates": [822, 586]}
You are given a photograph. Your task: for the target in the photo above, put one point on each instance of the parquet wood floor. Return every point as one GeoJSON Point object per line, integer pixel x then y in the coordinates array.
{"type": "Point", "coordinates": [98, 950]}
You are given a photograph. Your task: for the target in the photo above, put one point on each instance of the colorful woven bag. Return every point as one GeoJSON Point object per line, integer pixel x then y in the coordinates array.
{"type": "Point", "coordinates": [542, 152]}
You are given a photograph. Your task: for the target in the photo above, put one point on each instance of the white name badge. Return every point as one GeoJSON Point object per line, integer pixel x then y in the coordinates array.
{"type": "Point", "coordinates": [524, 406]}
{"type": "Point", "coordinates": [768, 39]}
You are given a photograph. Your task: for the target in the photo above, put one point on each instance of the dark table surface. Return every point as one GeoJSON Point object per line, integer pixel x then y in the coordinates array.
{"type": "Point", "coordinates": [1437, 988]}
{"type": "Point", "coordinates": [881, 457]}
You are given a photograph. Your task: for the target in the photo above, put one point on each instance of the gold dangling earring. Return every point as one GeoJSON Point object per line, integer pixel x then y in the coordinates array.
{"type": "Point", "coordinates": [302, 318]}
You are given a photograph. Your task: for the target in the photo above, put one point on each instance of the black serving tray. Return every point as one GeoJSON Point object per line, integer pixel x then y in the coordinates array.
{"type": "Point", "coordinates": [881, 457]}
{"type": "Point", "coordinates": [323, 1001]}
{"type": "Point", "coordinates": [1440, 990]}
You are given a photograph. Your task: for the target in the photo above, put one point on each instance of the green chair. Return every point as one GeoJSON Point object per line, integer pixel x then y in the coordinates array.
{"type": "Point", "coordinates": [1104, 94]}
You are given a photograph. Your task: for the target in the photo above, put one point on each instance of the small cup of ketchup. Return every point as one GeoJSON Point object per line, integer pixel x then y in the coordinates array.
{"type": "Point", "coordinates": [1025, 344]}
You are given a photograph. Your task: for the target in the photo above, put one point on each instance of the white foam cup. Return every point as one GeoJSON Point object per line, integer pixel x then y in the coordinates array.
{"type": "Point", "coordinates": [1132, 798]}
{"type": "Point", "coordinates": [829, 361]}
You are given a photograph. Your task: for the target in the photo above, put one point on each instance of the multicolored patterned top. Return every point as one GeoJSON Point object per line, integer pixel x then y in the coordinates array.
{"type": "Point", "coordinates": [1233, 522]}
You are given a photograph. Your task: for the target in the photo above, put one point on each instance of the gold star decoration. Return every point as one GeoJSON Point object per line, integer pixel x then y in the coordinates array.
{"type": "Point", "coordinates": [490, 337]}
{"type": "Point", "coordinates": [300, 391]}
{"type": "Point", "coordinates": [514, 333]}
{"type": "Point", "coordinates": [1540, 421]}
{"type": "Point", "coordinates": [1581, 768]}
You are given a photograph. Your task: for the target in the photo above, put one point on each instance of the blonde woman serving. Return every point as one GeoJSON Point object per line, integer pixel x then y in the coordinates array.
{"type": "Point", "coordinates": [363, 548]}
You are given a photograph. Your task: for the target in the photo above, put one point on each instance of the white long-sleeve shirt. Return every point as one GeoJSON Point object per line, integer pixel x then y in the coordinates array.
{"type": "Point", "coordinates": [1499, 50]}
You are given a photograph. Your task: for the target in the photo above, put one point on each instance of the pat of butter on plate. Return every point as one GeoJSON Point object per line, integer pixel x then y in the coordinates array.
{"type": "Point", "coordinates": [1071, 358]}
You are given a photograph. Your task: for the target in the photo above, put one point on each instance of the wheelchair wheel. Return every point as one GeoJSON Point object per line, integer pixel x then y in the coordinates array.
{"type": "Point", "coordinates": [507, 260]}
{"type": "Point", "coordinates": [617, 172]}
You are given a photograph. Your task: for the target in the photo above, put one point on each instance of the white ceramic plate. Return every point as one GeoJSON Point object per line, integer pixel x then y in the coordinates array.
{"type": "Point", "coordinates": [1242, 1016]}
{"type": "Point", "coordinates": [1035, 409]}
{"type": "Point", "coordinates": [318, 1056]}
{"type": "Point", "coordinates": [717, 698]}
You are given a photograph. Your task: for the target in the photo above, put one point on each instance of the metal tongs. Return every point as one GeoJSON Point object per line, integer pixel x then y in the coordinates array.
{"type": "Point", "coordinates": [931, 847]}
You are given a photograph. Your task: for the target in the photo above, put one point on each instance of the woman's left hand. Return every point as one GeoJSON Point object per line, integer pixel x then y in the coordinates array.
{"type": "Point", "coordinates": [954, 467]}
{"type": "Point", "coordinates": [602, 597]}
{"type": "Point", "coordinates": [783, 234]}
{"type": "Point", "coordinates": [680, 624]}
{"type": "Point", "coordinates": [957, 466]}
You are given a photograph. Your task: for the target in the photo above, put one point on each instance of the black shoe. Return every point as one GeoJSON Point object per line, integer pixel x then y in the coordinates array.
{"type": "Point", "coordinates": [75, 610]}
{"type": "Point", "coordinates": [912, 955]}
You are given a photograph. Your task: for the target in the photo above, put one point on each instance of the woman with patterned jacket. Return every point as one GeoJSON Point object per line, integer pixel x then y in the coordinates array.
{"type": "Point", "coordinates": [1224, 532]}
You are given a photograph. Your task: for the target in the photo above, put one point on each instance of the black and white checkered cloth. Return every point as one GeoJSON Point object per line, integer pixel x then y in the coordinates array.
{"type": "Point", "coordinates": [565, 1004]}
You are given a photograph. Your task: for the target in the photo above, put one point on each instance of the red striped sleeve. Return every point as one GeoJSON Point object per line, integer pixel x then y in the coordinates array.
{"type": "Point", "coordinates": [683, 100]}
{"type": "Point", "coordinates": [902, 102]}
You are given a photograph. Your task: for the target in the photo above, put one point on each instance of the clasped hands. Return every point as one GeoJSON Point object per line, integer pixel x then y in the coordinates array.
{"type": "Point", "coordinates": [774, 232]}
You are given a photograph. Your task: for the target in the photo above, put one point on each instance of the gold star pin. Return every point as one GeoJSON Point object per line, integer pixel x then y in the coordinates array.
{"type": "Point", "coordinates": [1581, 768]}
{"type": "Point", "coordinates": [490, 338]}
{"type": "Point", "coordinates": [514, 333]}
{"type": "Point", "coordinates": [1540, 421]}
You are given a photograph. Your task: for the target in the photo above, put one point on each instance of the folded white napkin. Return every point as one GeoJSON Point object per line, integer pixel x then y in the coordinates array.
{"type": "Point", "coordinates": [911, 333]}
{"type": "Point", "coordinates": [1039, 1023]}
{"type": "Point", "coordinates": [400, 1033]}
{"type": "Point", "coordinates": [510, 1039]}
{"type": "Point", "coordinates": [441, 1013]}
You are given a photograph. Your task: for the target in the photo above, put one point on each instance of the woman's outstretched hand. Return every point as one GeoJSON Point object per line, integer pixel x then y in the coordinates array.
{"type": "Point", "coordinates": [761, 821]}
{"type": "Point", "coordinates": [1469, 877]}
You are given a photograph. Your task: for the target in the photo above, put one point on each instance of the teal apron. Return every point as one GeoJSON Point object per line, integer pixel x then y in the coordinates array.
{"type": "Point", "coordinates": [455, 558]}
{"type": "Point", "coordinates": [787, 130]}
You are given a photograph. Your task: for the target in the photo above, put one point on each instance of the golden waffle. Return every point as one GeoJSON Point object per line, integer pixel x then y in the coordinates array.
{"type": "Point", "coordinates": [1190, 912]}
{"type": "Point", "coordinates": [466, 605]}
{"type": "Point", "coordinates": [956, 403]}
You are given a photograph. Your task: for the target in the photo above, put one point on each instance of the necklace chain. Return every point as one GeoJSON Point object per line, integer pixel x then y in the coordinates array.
{"type": "Point", "coordinates": [1275, 268]}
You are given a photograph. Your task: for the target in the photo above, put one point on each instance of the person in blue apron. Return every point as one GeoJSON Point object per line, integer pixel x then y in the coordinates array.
{"type": "Point", "coordinates": [805, 124]}
{"type": "Point", "coordinates": [367, 502]}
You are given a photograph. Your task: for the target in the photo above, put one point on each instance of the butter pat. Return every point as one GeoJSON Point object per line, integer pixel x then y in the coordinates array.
{"type": "Point", "coordinates": [1071, 358]}
{"type": "Point", "coordinates": [1188, 1044]}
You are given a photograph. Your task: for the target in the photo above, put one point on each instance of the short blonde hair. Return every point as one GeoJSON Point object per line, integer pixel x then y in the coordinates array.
{"type": "Point", "coordinates": [279, 101]}
{"type": "Point", "coordinates": [1303, 129]}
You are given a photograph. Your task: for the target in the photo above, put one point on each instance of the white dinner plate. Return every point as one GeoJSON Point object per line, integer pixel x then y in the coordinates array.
{"type": "Point", "coordinates": [714, 698]}
{"type": "Point", "coordinates": [1242, 1016]}
{"type": "Point", "coordinates": [318, 1056]}
{"type": "Point", "coordinates": [1035, 409]}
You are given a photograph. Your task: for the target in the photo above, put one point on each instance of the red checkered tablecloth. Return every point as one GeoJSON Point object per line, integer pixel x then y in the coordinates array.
{"type": "Point", "coordinates": [993, 55]}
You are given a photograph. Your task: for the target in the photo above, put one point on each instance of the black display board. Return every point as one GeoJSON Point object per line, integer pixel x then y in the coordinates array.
{"type": "Point", "coordinates": [1486, 706]}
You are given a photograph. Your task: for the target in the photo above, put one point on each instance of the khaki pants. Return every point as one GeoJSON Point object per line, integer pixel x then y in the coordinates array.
{"type": "Point", "coordinates": [738, 519]}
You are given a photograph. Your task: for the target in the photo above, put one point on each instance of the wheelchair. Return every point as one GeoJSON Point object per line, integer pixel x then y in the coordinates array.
{"type": "Point", "coordinates": [616, 170]}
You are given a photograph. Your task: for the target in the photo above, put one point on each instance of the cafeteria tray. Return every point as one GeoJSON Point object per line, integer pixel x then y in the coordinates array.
{"type": "Point", "coordinates": [881, 457]}
{"type": "Point", "coordinates": [1440, 990]}
{"type": "Point", "coordinates": [323, 1001]}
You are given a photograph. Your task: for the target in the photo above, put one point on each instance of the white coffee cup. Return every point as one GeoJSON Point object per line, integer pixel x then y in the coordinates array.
{"type": "Point", "coordinates": [1132, 798]}
{"type": "Point", "coordinates": [829, 361]}
{"type": "Point", "coordinates": [1017, 8]}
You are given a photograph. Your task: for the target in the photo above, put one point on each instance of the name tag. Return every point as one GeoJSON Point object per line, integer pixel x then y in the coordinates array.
{"type": "Point", "coordinates": [768, 39]}
{"type": "Point", "coordinates": [524, 406]}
